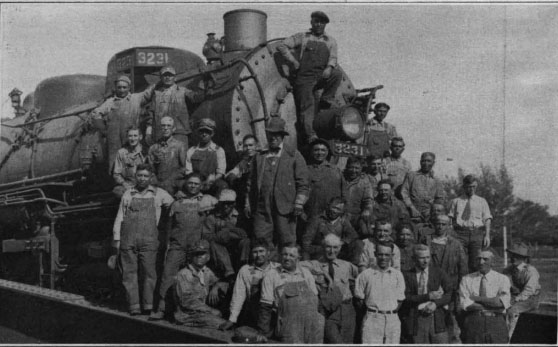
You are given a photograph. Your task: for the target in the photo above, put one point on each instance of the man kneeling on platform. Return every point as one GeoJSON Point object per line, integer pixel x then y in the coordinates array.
{"type": "Point", "coordinates": [199, 291]}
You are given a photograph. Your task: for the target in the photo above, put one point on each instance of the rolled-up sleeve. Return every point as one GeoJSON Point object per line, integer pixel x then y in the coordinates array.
{"type": "Point", "coordinates": [239, 295]}
{"type": "Point", "coordinates": [221, 162]}
{"type": "Point", "coordinates": [290, 43]}
{"type": "Point", "coordinates": [332, 52]}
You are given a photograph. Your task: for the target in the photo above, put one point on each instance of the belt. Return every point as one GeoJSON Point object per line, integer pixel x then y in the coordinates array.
{"type": "Point", "coordinates": [382, 312]}
{"type": "Point", "coordinates": [461, 228]}
{"type": "Point", "coordinates": [487, 314]}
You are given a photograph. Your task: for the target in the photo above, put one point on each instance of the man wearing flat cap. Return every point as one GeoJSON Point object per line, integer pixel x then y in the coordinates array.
{"type": "Point", "coordinates": [315, 62]}
{"type": "Point", "coordinates": [207, 158]}
{"type": "Point", "coordinates": [172, 100]}
{"type": "Point", "coordinates": [525, 286]}
{"type": "Point", "coordinates": [119, 113]}
{"type": "Point", "coordinates": [277, 188]}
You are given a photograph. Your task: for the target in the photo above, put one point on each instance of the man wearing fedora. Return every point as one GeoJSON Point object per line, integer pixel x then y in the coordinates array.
{"type": "Point", "coordinates": [315, 63]}
{"type": "Point", "coordinates": [277, 188]}
{"type": "Point", "coordinates": [525, 286]}
{"type": "Point", "coordinates": [172, 100]}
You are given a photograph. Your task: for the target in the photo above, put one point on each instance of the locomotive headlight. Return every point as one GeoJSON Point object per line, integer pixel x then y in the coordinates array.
{"type": "Point", "coordinates": [351, 122]}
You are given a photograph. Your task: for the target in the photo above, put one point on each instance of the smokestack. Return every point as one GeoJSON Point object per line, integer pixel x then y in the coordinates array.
{"type": "Point", "coordinates": [244, 29]}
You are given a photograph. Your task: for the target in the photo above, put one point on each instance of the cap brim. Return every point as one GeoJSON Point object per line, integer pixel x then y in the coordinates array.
{"type": "Point", "coordinates": [277, 132]}
{"type": "Point", "coordinates": [207, 128]}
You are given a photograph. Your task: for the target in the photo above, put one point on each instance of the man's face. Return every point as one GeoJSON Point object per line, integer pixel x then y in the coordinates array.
{"type": "Point", "coordinates": [134, 137]}
{"type": "Point", "coordinates": [484, 262]}
{"type": "Point", "coordinates": [318, 26]}
{"type": "Point", "coordinates": [353, 170]}
{"type": "Point", "coordinates": [142, 178]}
{"type": "Point", "coordinates": [260, 255]}
{"type": "Point", "coordinates": [405, 237]}
{"type": "Point", "coordinates": [383, 256]}
{"type": "Point", "coordinates": [515, 260]}
{"type": "Point", "coordinates": [335, 210]}
{"type": "Point", "coordinates": [381, 113]}
{"type": "Point", "coordinates": [228, 207]}
{"type": "Point", "coordinates": [200, 259]}
{"type": "Point", "coordinates": [167, 79]}
{"type": "Point", "coordinates": [441, 227]}
{"type": "Point", "coordinates": [426, 163]}
{"type": "Point", "coordinates": [332, 250]}
{"type": "Point", "coordinates": [437, 210]}
{"type": "Point", "coordinates": [384, 191]}
{"type": "Point", "coordinates": [319, 152]}
{"type": "Point", "coordinates": [422, 259]}
{"type": "Point", "coordinates": [375, 166]}
{"type": "Point", "coordinates": [205, 135]}
{"type": "Point", "coordinates": [193, 186]}
{"type": "Point", "coordinates": [249, 147]}
{"type": "Point", "coordinates": [167, 127]}
{"type": "Point", "coordinates": [397, 148]}
{"type": "Point", "coordinates": [274, 139]}
{"type": "Point", "coordinates": [122, 89]}
{"type": "Point", "coordinates": [470, 189]}
{"type": "Point", "coordinates": [289, 258]}
{"type": "Point", "coordinates": [383, 232]}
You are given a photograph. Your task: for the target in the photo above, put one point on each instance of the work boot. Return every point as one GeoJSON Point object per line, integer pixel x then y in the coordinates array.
{"type": "Point", "coordinates": [135, 312]}
{"type": "Point", "coordinates": [156, 315]}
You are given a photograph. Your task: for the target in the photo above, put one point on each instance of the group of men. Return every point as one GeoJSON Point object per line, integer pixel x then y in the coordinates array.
{"type": "Point", "coordinates": [298, 249]}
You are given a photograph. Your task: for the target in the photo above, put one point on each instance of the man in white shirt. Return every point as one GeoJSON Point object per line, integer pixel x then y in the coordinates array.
{"type": "Point", "coordinates": [484, 296]}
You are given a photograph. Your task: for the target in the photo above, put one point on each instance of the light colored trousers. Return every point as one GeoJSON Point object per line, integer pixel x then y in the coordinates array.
{"type": "Point", "coordinates": [379, 328]}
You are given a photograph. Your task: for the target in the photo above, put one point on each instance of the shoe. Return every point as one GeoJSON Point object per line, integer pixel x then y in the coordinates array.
{"type": "Point", "coordinates": [157, 315]}
{"type": "Point", "coordinates": [135, 312]}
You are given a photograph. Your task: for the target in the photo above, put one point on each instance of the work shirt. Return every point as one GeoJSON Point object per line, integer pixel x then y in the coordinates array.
{"type": "Point", "coordinates": [345, 273]}
{"type": "Point", "coordinates": [326, 182]}
{"type": "Point", "coordinates": [525, 278]}
{"type": "Point", "coordinates": [368, 258]}
{"type": "Point", "coordinates": [359, 195]}
{"type": "Point", "coordinates": [422, 190]}
{"type": "Point", "coordinates": [497, 285]}
{"type": "Point", "coordinates": [274, 279]}
{"type": "Point", "coordinates": [162, 198]}
{"type": "Point", "coordinates": [320, 226]}
{"type": "Point", "coordinates": [243, 286]}
{"type": "Point", "coordinates": [478, 213]}
{"type": "Point", "coordinates": [380, 289]}
{"type": "Point", "coordinates": [127, 159]}
{"type": "Point", "coordinates": [168, 158]}
{"type": "Point", "coordinates": [392, 210]}
{"type": "Point", "coordinates": [193, 286]}
{"type": "Point", "coordinates": [396, 169]}
{"type": "Point", "coordinates": [374, 124]}
{"type": "Point", "coordinates": [300, 40]}
{"type": "Point", "coordinates": [212, 147]}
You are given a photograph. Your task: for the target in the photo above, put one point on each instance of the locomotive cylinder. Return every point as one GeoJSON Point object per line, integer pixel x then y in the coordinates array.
{"type": "Point", "coordinates": [244, 29]}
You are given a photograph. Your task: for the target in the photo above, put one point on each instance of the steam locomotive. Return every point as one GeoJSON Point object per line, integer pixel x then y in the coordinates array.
{"type": "Point", "coordinates": [56, 207]}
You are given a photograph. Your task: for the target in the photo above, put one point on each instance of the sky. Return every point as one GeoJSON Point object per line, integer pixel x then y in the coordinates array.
{"type": "Point", "coordinates": [451, 73]}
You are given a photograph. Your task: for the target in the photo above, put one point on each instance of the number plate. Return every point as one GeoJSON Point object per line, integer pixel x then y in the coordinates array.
{"type": "Point", "coordinates": [347, 149]}
{"type": "Point", "coordinates": [145, 57]}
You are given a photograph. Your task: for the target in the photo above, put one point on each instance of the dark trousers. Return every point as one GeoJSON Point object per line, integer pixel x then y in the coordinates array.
{"type": "Point", "coordinates": [480, 330]}
{"type": "Point", "coordinates": [342, 330]}
{"type": "Point", "coordinates": [143, 258]}
{"type": "Point", "coordinates": [426, 333]}
{"type": "Point", "coordinates": [472, 244]}
{"type": "Point", "coordinates": [174, 261]}
{"type": "Point", "coordinates": [275, 228]}
{"type": "Point", "coordinates": [221, 256]}
{"type": "Point", "coordinates": [304, 89]}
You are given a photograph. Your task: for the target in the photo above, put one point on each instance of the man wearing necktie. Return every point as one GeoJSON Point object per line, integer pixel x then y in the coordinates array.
{"type": "Point", "coordinates": [471, 219]}
{"type": "Point", "coordinates": [427, 290]}
{"type": "Point", "coordinates": [484, 296]}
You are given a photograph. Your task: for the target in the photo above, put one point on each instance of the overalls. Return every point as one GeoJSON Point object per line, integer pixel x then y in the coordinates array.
{"type": "Point", "coordinates": [186, 231]}
{"type": "Point", "coordinates": [312, 64]}
{"type": "Point", "coordinates": [298, 320]}
{"type": "Point", "coordinates": [139, 243]}
{"type": "Point", "coordinates": [204, 162]}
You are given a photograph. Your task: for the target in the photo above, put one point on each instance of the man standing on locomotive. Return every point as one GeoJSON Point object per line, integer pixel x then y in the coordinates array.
{"type": "Point", "coordinates": [171, 100]}
{"type": "Point", "coordinates": [136, 238]}
{"type": "Point", "coordinates": [316, 68]}
{"type": "Point", "coordinates": [118, 113]}
{"type": "Point", "coordinates": [168, 156]}
{"type": "Point", "coordinates": [127, 159]}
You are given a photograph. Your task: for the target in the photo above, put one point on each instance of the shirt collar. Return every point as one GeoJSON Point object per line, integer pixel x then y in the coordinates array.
{"type": "Point", "coordinates": [127, 97]}
{"type": "Point", "coordinates": [522, 266]}
{"type": "Point", "coordinates": [377, 269]}
{"type": "Point", "coordinates": [149, 188]}
{"type": "Point", "coordinates": [324, 35]}
{"type": "Point", "coordinates": [419, 270]}
{"type": "Point", "coordinates": [196, 272]}
{"type": "Point", "coordinates": [212, 146]}
{"type": "Point", "coordinates": [431, 173]}
{"type": "Point", "coordinates": [136, 150]}
{"type": "Point", "coordinates": [297, 271]}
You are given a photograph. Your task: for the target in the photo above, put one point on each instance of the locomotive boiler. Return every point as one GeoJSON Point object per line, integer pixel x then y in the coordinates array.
{"type": "Point", "coordinates": [56, 205]}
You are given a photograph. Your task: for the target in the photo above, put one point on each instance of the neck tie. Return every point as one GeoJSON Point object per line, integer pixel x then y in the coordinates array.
{"type": "Point", "coordinates": [331, 270]}
{"type": "Point", "coordinates": [467, 211]}
{"type": "Point", "coordinates": [422, 283]}
{"type": "Point", "coordinates": [482, 287]}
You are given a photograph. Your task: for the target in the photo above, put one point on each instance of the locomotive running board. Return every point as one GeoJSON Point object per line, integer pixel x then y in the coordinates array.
{"type": "Point", "coordinates": [58, 317]}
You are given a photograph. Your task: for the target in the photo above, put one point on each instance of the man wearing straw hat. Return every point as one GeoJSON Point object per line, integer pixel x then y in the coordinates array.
{"type": "Point", "coordinates": [524, 278]}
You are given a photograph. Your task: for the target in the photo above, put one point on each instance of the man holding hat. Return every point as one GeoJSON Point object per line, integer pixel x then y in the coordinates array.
{"type": "Point", "coordinates": [326, 179]}
{"type": "Point", "coordinates": [277, 188]}
{"type": "Point", "coordinates": [315, 63]}
{"type": "Point", "coordinates": [172, 100]}
{"type": "Point", "coordinates": [118, 113]}
{"type": "Point", "coordinates": [198, 291]}
{"type": "Point", "coordinates": [207, 158]}
{"type": "Point", "coordinates": [525, 286]}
